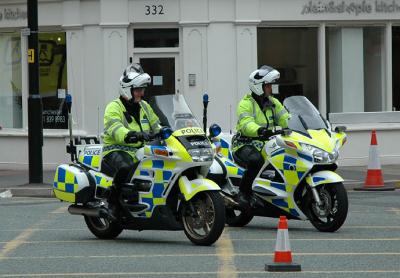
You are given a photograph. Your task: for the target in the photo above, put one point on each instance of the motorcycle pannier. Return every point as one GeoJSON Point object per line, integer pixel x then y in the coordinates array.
{"type": "Point", "coordinates": [72, 184]}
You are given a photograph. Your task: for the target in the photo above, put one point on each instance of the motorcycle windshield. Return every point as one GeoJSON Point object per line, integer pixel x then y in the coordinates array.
{"type": "Point", "coordinates": [173, 111]}
{"type": "Point", "coordinates": [304, 115]}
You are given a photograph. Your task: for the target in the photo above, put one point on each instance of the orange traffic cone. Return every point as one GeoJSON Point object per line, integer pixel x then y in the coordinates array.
{"type": "Point", "coordinates": [283, 255]}
{"type": "Point", "coordinates": [374, 179]}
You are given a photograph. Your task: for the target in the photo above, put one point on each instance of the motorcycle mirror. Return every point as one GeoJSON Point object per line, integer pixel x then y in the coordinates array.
{"type": "Point", "coordinates": [340, 129]}
{"type": "Point", "coordinates": [165, 132]}
{"type": "Point", "coordinates": [214, 130]}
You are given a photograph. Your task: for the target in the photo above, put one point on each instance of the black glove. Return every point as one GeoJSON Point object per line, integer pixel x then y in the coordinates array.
{"type": "Point", "coordinates": [131, 137]}
{"type": "Point", "coordinates": [264, 133]}
{"type": "Point", "coordinates": [143, 136]}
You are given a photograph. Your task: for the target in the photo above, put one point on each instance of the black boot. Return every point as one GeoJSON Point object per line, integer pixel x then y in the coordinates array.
{"type": "Point", "coordinates": [243, 199]}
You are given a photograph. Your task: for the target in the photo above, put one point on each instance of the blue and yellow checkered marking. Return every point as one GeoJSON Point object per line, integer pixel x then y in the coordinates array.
{"type": "Point", "coordinates": [292, 167]}
{"type": "Point", "coordinates": [65, 181]}
{"type": "Point", "coordinates": [279, 186]}
{"type": "Point", "coordinates": [144, 173]}
{"type": "Point", "coordinates": [92, 161]}
{"type": "Point", "coordinates": [317, 179]}
{"type": "Point", "coordinates": [102, 180]}
{"type": "Point", "coordinates": [65, 185]}
{"type": "Point", "coordinates": [231, 168]}
{"type": "Point", "coordinates": [278, 152]}
{"type": "Point", "coordinates": [280, 203]}
{"type": "Point", "coordinates": [162, 176]}
{"type": "Point", "coordinates": [225, 150]}
{"type": "Point", "coordinates": [304, 156]}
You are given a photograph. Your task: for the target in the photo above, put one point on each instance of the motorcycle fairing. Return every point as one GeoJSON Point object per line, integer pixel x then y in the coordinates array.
{"type": "Point", "coordinates": [284, 196]}
{"type": "Point", "coordinates": [190, 188]}
{"type": "Point", "coordinates": [291, 164]}
{"type": "Point", "coordinates": [159, 172]}
{"type": "Point", "coordinates": [323, 177]}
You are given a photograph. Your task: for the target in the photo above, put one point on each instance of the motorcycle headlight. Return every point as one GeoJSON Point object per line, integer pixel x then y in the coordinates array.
{"type": "Point", "coordinates": [321, 156]}
{"type": "Point", "coordinates": [201, 155]}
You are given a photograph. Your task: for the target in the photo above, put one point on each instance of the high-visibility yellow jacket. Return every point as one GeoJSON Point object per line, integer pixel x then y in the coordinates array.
{"type": "Point", "coordinates": [117, 126]}
{"type": "Point", "coordinates": [251, 117]}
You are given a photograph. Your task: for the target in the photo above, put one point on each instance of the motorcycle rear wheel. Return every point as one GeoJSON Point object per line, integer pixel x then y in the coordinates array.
{"type": "Point", "coordinates": [238, 218]}
{"type": "Point", "coordinates": [333, 212]}
{"type": "Point", "coordinates": [102, 227]}
{"type": "Point", "coordinates": [203, 218]}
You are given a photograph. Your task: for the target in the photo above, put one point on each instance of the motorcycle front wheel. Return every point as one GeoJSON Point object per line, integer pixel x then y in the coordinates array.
{"type": "Point", "coordinates": [203, 218]}
{"type": "Point", "coordinates": [331, 214]}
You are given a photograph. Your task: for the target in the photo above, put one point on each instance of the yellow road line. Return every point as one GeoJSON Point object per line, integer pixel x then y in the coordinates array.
{"type": "Point", "coordinates": [41, 229]}
{"type": "Point", "coordinates": [201, 255]}
{"type": "Point", "coordinates": [60, 210]}
{"type": "Point", "coordinates": [190, 273]}
{"type": "Point", "coordinates": [222, 247]}
{"type": "Point", "coordinates": [225, 254]}
{"type": "Point", "coordinates": [231, 228]}
{"type": "Point", "coordinates": [13, 244]}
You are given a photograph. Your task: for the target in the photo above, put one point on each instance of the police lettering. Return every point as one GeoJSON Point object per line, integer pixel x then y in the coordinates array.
{"type": "Point", "coordinates": [92, 152]}
{"type": "Point", "coordinates": [199, 143]}
{"type": "Point", "coordinates": [192, 131]}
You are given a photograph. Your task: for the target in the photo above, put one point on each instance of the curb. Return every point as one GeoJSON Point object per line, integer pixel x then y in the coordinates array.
{"type": "Point", "coordinates": [30, 190]}
{"type": "Point", "coordinates": [47, 191]}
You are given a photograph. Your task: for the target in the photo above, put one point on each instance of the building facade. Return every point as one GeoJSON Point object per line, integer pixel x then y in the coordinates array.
{"type": "Point", "coordinates": [342, 55]}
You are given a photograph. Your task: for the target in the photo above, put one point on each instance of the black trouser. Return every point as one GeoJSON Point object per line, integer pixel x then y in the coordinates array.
{"type": "Point", "coordinates": [252, 160]}
{"type": "Point", "coordinates": [118, 164]}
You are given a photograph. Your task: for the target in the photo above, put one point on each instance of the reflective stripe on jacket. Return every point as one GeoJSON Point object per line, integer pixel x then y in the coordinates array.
{"type": "Point", "coordinates": [251, 117]}
{"type": "Point", "coordinates": [116, 126]}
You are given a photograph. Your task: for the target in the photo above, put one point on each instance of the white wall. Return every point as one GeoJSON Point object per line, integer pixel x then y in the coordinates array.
{"type": "Point", "coordinates": [218, 44]}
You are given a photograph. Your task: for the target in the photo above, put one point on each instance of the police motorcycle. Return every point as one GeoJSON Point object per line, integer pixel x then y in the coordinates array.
{"type": "Point", "coordinates": [167, 189]}
{"type": "Point", "coordinates": [298, 179]}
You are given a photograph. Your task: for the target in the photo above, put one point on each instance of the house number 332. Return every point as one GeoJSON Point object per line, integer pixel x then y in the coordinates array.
{"type": "Point", "coordinates": [153, 9]}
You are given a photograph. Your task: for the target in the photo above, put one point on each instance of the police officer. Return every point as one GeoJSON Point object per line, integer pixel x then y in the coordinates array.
{"type": "Point", "coordinates": [258, 114]}
{"type": "Point", "coordinates": [127, 122]}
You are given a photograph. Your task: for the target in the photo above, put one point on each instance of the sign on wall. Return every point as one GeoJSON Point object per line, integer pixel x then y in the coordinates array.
{"type": "Point", "coordinates": [351, 7]}
{"type": "Point", "coordinates": [154, 11]}
{"type": "Point", "coordinates": [336, 10]}
{"type": "Point", "coordinates": [12, 14]}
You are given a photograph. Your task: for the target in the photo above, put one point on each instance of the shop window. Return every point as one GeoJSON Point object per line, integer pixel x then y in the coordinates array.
{"type": "Point", "coordinates": [396, 67]}
{"type": "Point", "coordinates": [10, 81]}
{"type": "Point", "coordinates": [156, 37]}
{"type": "Point", "coordinates": [53, 79]}
{"type": "Point", "coordinates": [294, 52]}
{"type": "Point", "coordinates": [355, 69]}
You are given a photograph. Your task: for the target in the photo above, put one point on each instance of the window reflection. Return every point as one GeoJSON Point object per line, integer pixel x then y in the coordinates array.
{"type": "Point", "coordinates": [10, 81]}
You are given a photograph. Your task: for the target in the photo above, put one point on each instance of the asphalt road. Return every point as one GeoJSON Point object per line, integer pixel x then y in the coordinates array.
{"type": "Point", "coordinates": [38, 238]}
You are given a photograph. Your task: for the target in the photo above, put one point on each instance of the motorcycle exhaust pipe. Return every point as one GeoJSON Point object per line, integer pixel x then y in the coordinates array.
{"type": "Point", "coordinates": [91, 212]}
{"type": "Point", "coordinates": [229, 201]}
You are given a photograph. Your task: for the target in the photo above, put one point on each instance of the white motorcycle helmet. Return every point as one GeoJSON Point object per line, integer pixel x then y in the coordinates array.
{"type": "Point", "coordinates": [261, 76]}
{"type": "Point", "coordinates": [133, 77]}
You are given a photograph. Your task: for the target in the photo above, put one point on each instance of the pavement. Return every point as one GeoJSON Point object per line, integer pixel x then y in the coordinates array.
{"type": "Point", "coordinates": [16, 182]}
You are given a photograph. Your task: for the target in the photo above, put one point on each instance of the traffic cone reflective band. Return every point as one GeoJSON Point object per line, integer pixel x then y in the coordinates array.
{"type": "Point", "coordinates": [283, 254]}
{"type": "Point", "coordinates": [374, 179]}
